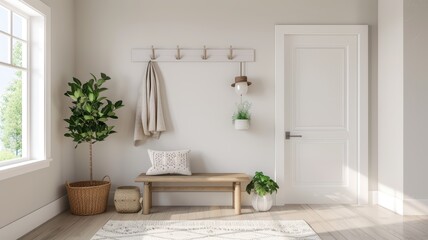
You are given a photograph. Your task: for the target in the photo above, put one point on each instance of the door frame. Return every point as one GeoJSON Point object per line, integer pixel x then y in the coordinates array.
{"type": "Point", "coordinates": [361, 31]}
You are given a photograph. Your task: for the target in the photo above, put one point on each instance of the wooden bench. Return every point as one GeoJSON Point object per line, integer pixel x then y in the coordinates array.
{"type": "Point", "coordinates": [235, 179]}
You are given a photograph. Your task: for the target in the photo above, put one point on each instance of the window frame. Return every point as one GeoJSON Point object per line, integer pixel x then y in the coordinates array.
{"type": "Point", "coordinates": [39, 95]}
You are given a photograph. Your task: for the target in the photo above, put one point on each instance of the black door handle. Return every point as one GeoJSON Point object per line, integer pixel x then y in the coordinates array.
{"type": "Point", "coordinates": [288, 135]}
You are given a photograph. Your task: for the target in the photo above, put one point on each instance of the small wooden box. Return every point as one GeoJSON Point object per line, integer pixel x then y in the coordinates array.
{"type": "Point", "coordinates": [127, 199]}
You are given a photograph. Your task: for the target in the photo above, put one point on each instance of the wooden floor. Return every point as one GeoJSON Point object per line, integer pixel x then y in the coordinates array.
{"type": "Point", "coordinates": [329, 221]}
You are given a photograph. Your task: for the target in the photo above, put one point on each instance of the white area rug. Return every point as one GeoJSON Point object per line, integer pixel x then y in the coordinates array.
{"type": "Point", "coordinates": [206, 229]}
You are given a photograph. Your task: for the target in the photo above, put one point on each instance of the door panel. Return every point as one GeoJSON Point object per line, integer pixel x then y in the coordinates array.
{"type": "Point", "coordinates": [321, 97]}
{"type": "Point", "coordinates": [308, 154]}
{"type": "Point", "coordinates": [323, 85]}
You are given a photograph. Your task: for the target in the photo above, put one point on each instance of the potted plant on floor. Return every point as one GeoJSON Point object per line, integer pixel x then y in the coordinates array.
{"type": "Point", "coordinates": [242, 116]}
{"type": "Point", "coordinates": [261, 187]}
{"type": "Point", "coordinates": [88, 124]}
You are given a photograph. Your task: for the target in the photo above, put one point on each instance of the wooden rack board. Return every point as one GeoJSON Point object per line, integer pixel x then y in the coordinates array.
{"type": "Point", "coordinates": [193, 54]}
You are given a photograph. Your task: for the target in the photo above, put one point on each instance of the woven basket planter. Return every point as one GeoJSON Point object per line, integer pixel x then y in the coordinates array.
{"type": "Point", "coordinates": [88, 199]}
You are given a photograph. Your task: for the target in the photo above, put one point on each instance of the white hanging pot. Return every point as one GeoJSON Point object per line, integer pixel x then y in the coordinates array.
{"type": "Point", "coordinates": [261, 203]}
{"type": "Point", "coordinates": [242, 124]}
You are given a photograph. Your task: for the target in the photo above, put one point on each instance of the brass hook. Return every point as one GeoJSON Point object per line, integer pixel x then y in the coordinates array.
{"type": "Point", "coordinates": [178, 56]}
{"type": "Point", "coordinates": [153, 57]}
{"type": "Point", "coordinates": [205, 57]}
{"type": "Point", "coordinates": [230, 57]}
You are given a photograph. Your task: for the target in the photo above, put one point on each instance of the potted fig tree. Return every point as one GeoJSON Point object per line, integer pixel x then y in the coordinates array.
{"type": "Point", "coordinates": [88, 124]}
{"type": "Point", "coordinates": [261, 188]}
{"type": "Point", "coordinates": [241, 118]}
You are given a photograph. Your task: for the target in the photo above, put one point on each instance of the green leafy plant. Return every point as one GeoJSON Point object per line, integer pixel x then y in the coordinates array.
{"type": "Point", "coordinates": [243, 111]}
{"type": "Point", "coordinates": [11, 119]}
{"type": "Point", "coordinates": [11, 111]}
{"type": "Point", "coordinates": [90, 112]}
{"type": "Point", "coordinates": [262, 184]}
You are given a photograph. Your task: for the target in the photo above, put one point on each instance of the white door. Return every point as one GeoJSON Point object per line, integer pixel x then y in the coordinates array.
{"type": "Point", "coordinates": [321, 117]}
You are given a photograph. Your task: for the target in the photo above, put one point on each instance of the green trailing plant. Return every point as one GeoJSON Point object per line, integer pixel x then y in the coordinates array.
{"type": "Point", "coordinates": [243, 111]}
{"type": "Point", "coordinates": [90, 112]}
{"type": "Point", "coordinates": [262, 184]}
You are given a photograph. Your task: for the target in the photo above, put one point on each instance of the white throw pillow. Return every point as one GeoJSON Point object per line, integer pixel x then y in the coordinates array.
{"type": "Point", "coordinates": [169, 162]}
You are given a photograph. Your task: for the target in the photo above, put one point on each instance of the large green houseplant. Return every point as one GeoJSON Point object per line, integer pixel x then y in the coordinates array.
{"type": "Point", "coordinates": [88, 124]}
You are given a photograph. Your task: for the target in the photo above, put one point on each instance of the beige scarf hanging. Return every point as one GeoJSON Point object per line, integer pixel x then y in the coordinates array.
{"type": "Point", "coordinates": [149, 120]}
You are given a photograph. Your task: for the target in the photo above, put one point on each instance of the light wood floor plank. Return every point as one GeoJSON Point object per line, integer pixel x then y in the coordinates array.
{"type": "Point", "coordinates": [342, 222]}
{"type": "Point", "coordinates": [323, 228]}
{"type": "Point", "coordinates": [403, 227]}
{"type": "Point", "coordinates": [349, 224]}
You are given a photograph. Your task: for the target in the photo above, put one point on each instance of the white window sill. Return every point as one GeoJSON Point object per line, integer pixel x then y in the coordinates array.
{"type": "Point", "coordinates": [17, 169]}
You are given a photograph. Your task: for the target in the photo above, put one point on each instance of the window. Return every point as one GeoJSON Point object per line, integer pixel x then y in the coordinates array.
{"type": "Point", "coordinates": [24, 84]}
{"type": "Point", "coordinates": [13, 84]}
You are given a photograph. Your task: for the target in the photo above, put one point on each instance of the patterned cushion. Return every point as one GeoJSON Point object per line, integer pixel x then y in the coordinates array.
{"type": "Point", "coordinates": [169, 162]}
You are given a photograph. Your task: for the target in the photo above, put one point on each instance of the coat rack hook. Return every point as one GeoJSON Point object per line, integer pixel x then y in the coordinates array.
{"type": "Point", "coordinates": [153, 57]}
{"type": "Point", "coordinates": [178, 56]}
{"type": "Point", "coordinates": [205, 57]}
{"type": "Point", "coordinates": [230, 56]}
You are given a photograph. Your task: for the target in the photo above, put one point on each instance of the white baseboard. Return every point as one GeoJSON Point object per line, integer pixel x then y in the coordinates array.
{"type": "Point", "coordinates": [415, 206]}
{"type": "Point", "coordinates": [407, 207]}
{"type": "Point", "coordinates": [29, 222]}
{"type": "Point", "coordinates": [390, 202]}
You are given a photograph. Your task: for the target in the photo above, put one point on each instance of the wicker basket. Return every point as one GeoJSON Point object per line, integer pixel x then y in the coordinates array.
{"type": "Point", "coordinates": [88, 199]}
{"type": "Point", "coordinates": [127, 199]}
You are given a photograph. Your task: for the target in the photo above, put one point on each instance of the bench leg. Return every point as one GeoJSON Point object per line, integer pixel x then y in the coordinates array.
{"type": "Point", "coordinates": [150, 196]}
{"type": "Point", "coordinates": [233, 195]}
{"type": "Point", "coordinates": [237, 197]}
{"type": "Point", "coordinates": [146, 198]}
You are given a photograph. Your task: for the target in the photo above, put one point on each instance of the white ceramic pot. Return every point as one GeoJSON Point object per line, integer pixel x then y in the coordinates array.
{"type": "Point", "coordinates": [261, 204]}
{"type": "Point", "coordinates": [242, 124]}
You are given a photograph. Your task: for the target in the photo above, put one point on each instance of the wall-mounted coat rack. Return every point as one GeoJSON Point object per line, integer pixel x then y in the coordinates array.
{"type": "Point", "coordinates": [193, 54]}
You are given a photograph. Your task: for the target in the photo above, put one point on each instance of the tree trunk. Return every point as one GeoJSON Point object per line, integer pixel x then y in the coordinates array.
{"type": "Point", "coordinates": [90, 161]}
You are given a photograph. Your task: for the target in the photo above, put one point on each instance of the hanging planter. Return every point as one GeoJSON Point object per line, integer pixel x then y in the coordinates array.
{"type": "Point", "coordinates": [242, 124]}
{"type": "Point", "coordinates": [241, 118]}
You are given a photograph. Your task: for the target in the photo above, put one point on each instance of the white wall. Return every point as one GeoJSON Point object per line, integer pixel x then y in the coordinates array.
{"type": "Point", "coordinates": [390, 104]}
{"type": "Point", "coordinates": [415, 106]}
{"type": "Point", "coordinates": [402, 106]}
{"type": "Point", "coordinates": [25, 194]}
{"type": "Point", "coordinates": [199, 100]}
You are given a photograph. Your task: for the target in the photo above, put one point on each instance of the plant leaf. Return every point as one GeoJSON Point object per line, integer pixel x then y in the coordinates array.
{"type": "Point", "coordinates": [77, 81]}
{"type": "Point", "coordinates": [91, 97]}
